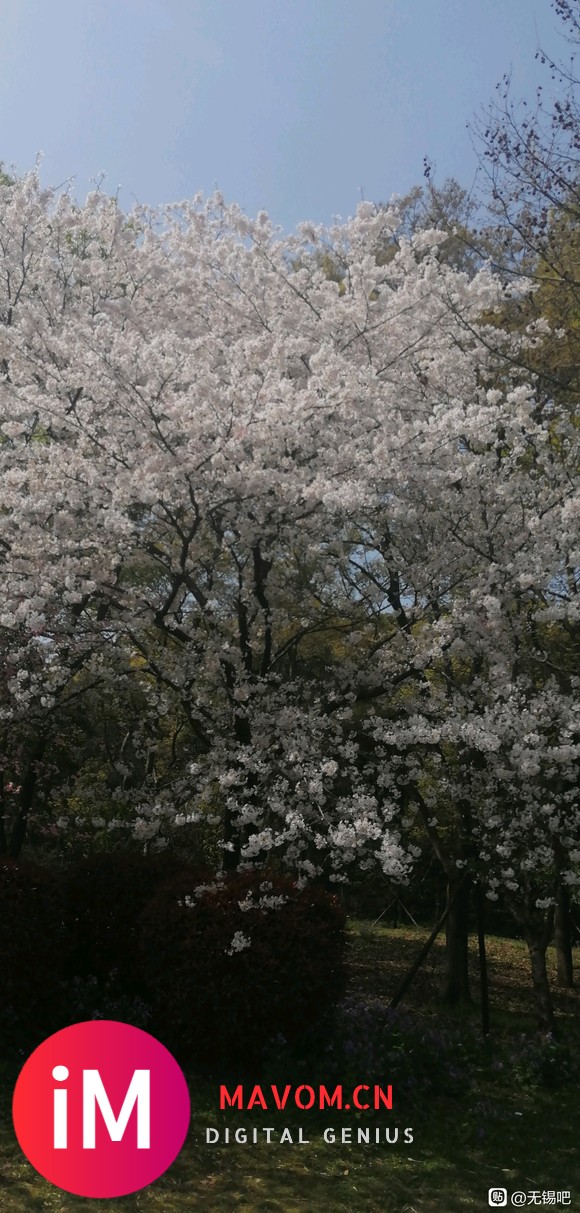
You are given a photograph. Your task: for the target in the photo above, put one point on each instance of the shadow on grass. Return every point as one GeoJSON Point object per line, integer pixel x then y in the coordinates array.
{"type": "Point", "coordinates": [498, 1135]}
{"type": "Point", "coordinates": [455, 1157]}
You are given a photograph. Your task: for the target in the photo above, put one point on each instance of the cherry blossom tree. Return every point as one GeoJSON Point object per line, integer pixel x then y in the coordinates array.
{"type": "Point", "coordinates": [214, 454]}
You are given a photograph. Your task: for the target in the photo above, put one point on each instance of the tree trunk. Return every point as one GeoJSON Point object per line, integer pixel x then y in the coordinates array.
{"type": "Point", "coordinates": [537, 945]}
{"type": "Point", "coordinates": [407, 979]}
{"type": "Point", "coordinates": [455, 986]}
{"type": "Point", "coordinates": [483, 974]}
{"type": "Point", "coordinates": [563, 938]}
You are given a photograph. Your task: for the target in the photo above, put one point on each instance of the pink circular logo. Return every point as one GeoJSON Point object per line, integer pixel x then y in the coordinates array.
{"type": "Point", "coordinates": [101, 1109]}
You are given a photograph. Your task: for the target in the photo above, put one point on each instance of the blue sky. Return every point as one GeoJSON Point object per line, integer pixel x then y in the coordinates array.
{"type": "Point", "coordinates": [288, 105]}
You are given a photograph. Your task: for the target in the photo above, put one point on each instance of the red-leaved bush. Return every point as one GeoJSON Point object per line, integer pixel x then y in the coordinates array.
{"type": "Point", "coordinates": [230, 968]}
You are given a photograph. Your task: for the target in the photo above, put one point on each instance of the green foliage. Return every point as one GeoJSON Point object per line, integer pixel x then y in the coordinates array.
{"type": "Point", "coordinates": [446, 208]}
{"type": "Point", "coordinates": [545, 1062]}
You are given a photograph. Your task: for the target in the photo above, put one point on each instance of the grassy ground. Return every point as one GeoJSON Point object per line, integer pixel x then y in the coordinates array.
{"type": "Point", "coordinates": [460, 1148]}
{"type": "Point", "coordinates": [380, 957]}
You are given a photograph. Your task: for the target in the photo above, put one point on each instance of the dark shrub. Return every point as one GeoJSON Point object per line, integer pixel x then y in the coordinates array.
{"type": "Point", "coordinates": [213, 1002]}
{"type": "Point", "coordinates": [33, 951]}
{"type": "Point", "coordinates": [106, 895]}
